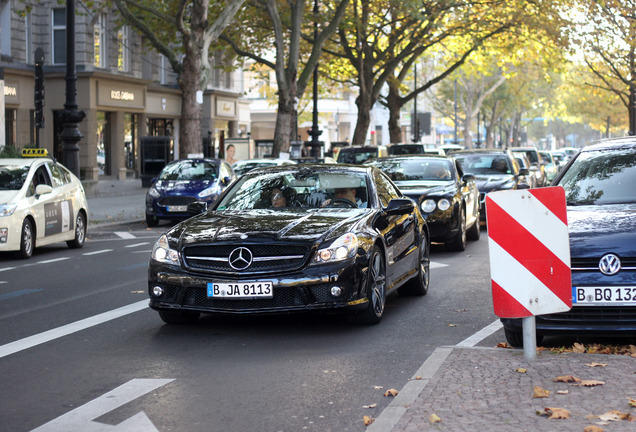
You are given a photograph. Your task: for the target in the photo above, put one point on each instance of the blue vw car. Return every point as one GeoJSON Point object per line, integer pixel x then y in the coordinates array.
{"type": "Point", "coordinates": [182, 182]}
{"type": "Point", "coordinates": [600, 190]}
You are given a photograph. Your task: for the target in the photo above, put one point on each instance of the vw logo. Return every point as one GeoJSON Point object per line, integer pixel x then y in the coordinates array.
{"type": "Point", "coordinates": [610, 264]}
{"type": "Point", "coordinates": [240, 258]}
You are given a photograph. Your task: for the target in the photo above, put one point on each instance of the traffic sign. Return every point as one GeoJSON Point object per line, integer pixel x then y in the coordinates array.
{"type": "Point", "coordinates": [529, 251]}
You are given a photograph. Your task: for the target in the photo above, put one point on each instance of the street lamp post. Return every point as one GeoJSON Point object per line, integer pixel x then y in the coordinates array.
{"type": "Point", "coordinates": [315, 132]}
{"type": "Point", "coordinates": [71, 134]}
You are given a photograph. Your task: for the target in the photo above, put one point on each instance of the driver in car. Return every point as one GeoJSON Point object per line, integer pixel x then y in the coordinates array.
{"type": "Point", "coordinates": [348, 194]}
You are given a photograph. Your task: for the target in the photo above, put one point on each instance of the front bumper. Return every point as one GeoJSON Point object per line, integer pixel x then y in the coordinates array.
{"type": "Point", "coordinates": [294, 292]}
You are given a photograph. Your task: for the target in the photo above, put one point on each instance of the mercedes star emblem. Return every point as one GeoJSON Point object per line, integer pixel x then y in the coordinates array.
{"type": "Point", "coordinates": [240, 258]}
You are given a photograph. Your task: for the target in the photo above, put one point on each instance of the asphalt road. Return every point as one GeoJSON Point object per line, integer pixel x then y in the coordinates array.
{"type": "Point", "coordinates": [80, 350]}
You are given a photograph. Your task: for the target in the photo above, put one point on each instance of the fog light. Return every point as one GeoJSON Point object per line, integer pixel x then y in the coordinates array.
{"type": "Point", "coordinates": [3, 235]}
{"type": "Point", "coordinates": [336, 291]}
{"type": "Point", "coordinates": [157, 291]}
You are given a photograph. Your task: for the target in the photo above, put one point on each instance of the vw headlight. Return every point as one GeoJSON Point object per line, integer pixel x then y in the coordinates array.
{"type": "Point", "coordinates": [161, 252]}
{"type": "Point", "coordinates": [153, 192]}
{"type": "Point", "coordinates": [428, 206]}
{"type": "Point", "coordinates": [7, 209]}
{"type": "Point", "coordinates": [344, 247]}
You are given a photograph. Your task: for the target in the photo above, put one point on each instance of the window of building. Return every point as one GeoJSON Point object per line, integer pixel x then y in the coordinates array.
{"type": "Point", "coordinates": [163, 64]}
{"type": "Point", "coordinates": [28, 39]}
{"type": "Point", "coordinates": [58, 35]}
{"type": "Point", "coordinates": [123, 62]}
{"type": "Point", "coordinates": [99, 41]}
{"type": "Point", "coordinates": [10, 127]}
{"type": "Point", "coordinates": [5, 23]}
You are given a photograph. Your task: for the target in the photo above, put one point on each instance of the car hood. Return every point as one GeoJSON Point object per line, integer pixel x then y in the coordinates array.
{"type": "Point", "coordinates": [182, 187]}
{"type": "Point", "coordinates": [412, 188]}
{"type": "Point", "coordinates": [268, 225]}
{"type": "Point", "coordinates": [490, 182]}
{"type": "Point", "coordinates": [600, 229]}
{"type": "Point", "coordinates": [7, 196]}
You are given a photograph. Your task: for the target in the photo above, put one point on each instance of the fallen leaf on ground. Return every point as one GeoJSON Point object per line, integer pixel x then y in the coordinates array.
{"type": "Point", "coordinates": [521, 370]}
{"type": "Point", "coordinates": [461, 310]}
{"type": "Point", "coordinates": [368, 420]}
{"type": "Point", "coordinates": [540, 392]}
{"type": "Point", "coordinates": [631, 402]}
{"type": "Point", "coordinates": [593, 428]}
{"type": "Point", "coordinates": [369, 406]}
{"type": "Point", "coordinates": [434, 419]}
{"type": "Point", "coordinates": [566, 379]}
{"type": "Point", "coordinates": [616, 416]}
{"type": "Point", "coordinates": [391, 392]}
{"type": "Point", "coordinates": [503, 345]}
{"type": "Point", "coordinates": [452, 325]}
{"type": "Point", "coordinates": [595, 364]}
{"type": "Point", "coordinates": [378, 387]}
{"type": "Point", "coordinates": [578, 348]}
{"type": "Point", "coordinates": [563, 391]}
{"type": "Point", "coordinates": [556, 413]}
{"type": "Point", "coordinates": [589, 383]}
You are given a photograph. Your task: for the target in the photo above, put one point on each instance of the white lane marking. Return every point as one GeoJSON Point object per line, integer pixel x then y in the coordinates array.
{"type": "Point", "coordinates": [53, 260]}
{"type": "Point", "coordinates": [149, 251]}
{"type": "Point", "coordinates": [7, 268]}
{"type": "Point", "coordinates": [97, 252]}
{"type": "Point", "coordinates": [125, 235]}
{"type": "Point", "coordinates": [480, 335]}
{"type": "Point", "coordinates": [81, 419]}
{"type": "Point", "coordinates": [137, 245]}
{"type": "Point", "coordinates": [437, 265]}
{"type": "Point", "coordinates": [31, 341]}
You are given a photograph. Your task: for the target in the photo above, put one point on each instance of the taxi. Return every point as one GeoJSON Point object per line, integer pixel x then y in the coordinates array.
{"type": "Point", "coordinates": [41, 202]}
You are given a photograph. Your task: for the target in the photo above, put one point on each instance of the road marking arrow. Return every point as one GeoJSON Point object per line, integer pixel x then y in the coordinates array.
{"type": "Point", "coordinates": [82, 419]}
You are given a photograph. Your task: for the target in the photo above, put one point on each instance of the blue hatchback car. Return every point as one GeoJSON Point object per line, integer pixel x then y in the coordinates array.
{"type": "Point", "coordinates": [600, 190]}
{"type": "Point", "coordinates": [184, 181]}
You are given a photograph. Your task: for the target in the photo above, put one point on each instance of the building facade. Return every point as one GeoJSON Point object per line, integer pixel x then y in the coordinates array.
{"type": "Point", "coordinates": [127, 91]}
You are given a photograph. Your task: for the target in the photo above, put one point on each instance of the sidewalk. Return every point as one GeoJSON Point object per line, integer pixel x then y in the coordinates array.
{"type": "Point", "coordinates": [484, 389]}
{"type": "Point", "coordinates": [117, 201]}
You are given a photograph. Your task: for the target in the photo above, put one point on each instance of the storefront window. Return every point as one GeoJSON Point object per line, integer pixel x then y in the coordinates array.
{"type": "Point", "coordinates": [160, 127]}
{"type": "Point", "coordinates": [130, 140]}
{"type": "Point", "coordinates": [102, 143]}
{"type": "Point", "coordinates": [10, 127]}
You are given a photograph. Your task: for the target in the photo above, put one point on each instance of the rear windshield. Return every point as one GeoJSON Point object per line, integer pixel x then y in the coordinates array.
{"type": "Point", "coordinates": [356, 156]}
{"type": "Point", "coordinates": [484, 164]}
{"type": "Point", "coordinates": [189, 170]}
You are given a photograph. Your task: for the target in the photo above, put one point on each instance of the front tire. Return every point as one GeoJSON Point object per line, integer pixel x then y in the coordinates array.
{"type": "Point", "coordinates": [376, 291]}
{"type": "Point", "coordinates": [418, 286]}
{"type": "Point", "coordinates": [474, 232]}
{"type": "Point", "coordinates": [179, 317]}
{"type": "Point", "coordinates": [459, 241]}
{"type": "Point", "coordinates": [151, 221]}
{"type": "Point", "coordinates": [80, 232]}
{"type": "Point", "coordinates": [27, 240]}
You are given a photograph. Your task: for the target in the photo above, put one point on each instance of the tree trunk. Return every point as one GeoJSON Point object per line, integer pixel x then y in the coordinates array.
{"type": "Point", "coordinates": [364, 120]}
{"type": "Point", "coordinates": [395, 104]}
{"type": "Point", "coordinates": [283, 131]}
{"type": "Point", "coordinates": [190, 127]}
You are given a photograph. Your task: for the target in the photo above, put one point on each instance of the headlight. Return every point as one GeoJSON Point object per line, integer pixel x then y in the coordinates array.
{"type": "Point", "coordinates": [7, 209]}
{"type": "Point", "coordinates": [153, 192]}
{"type": "Point", "coordinates": [162, 252]}
{"type": "Point", "coordinates": [443, 204]}
{"type": "Point", "coordinates": [344, 247]}
{"type": "Point", "coordinates": [208, 191]}
{"type": "Point", "coordinates": [428, 206]}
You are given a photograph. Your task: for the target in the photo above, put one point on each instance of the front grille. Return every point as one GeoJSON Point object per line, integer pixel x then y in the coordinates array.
{"type": "Point", "coordinates": [592, 263]}
{"type": "Point", "coordinates": [177, 200]}
{"type": "Point", "coordinates": [266, 258]}
{"type": "Point", "coordinates": [595, 314]}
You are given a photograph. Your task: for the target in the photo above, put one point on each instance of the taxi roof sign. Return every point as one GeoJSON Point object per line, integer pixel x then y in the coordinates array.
{"type": "Point", "coordinates": [35, 152]}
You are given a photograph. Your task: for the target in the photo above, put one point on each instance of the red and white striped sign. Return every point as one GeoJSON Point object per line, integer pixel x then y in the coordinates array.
{"type": "Point", "coordinates": [529, 250]}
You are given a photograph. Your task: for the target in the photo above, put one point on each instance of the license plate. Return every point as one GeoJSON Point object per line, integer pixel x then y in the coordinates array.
{"type": "Point", "coordinates": [604, 295]}
{"type": "Point", "coordinates": [177, 209]}
{"type": "Point", "coordinates": [242, 290]}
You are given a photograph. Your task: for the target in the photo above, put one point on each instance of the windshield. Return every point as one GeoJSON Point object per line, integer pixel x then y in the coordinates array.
{"type": "Point", "coordinates": [242, 168]}
{"type": "Point", "coordinates": [416, 169]}
{"type": "Point", "coordinates": [189, 170]}
{"type": "Point", "coordinates": [293, 189]}
{"type": "Point", "coordinates": [13, 177]}
{"type": "Point", "coordinates": [601, 177]}
{"type": "Point", "coordinates": [484, 164]}
{"type": "Point", "coordinates": [356, 156]}
{"type": "Point", "coordinates": [406, 149]}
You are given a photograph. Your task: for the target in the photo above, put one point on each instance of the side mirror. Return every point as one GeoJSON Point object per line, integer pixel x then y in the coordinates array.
{"type": "Point", "coordinates": [43, 189]}
{"type": "Point", "coordinates": [468, 177]}
{"type": "Point", "coordinates": [197, 207]}
{"type": "Point", "coordinates": [523, 186]}
{"type": "Point", "coordinates": [400, 206]}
